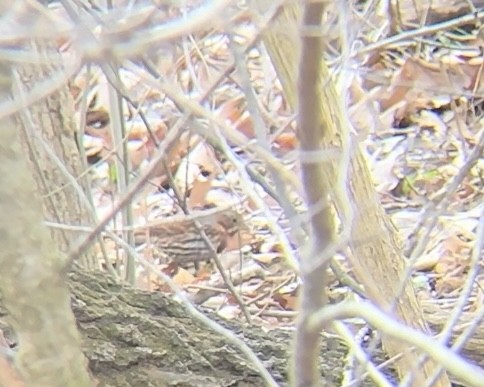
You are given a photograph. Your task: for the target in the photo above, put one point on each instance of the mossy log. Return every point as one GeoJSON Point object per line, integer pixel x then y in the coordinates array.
{"type": "Point", "coordinates": [135, 338]}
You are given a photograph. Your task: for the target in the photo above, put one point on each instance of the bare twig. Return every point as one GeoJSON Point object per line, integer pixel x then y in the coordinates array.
{"type": "Point", "coordinates": [468, 373]}
{"type": "Point", "coordinates": [427, 30]}
{"type": "Point", "coordinates": [312, 127]}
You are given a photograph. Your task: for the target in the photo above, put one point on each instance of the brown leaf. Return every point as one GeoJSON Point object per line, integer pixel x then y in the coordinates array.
{"type": "Point", "coordinates": [418, 81]}
{"type": "Point", "coordinates": [184, 277]}
{"type": "Point", "coordinates": [233, 110]}
{"type": "Point", "coordinates": [286, 301]}
{"type": "Point", "coordinates": [286, 141]}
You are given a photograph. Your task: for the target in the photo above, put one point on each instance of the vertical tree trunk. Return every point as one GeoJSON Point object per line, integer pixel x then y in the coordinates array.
{"type": "Point", "coordinates": [378, 263]}
{"type": "Point", "coordinates": [32, 280]}
{"type": "Point", "coordinates": [48, 135]}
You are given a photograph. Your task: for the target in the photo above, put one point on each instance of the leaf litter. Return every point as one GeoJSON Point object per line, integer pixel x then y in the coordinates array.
{"type": "Point", "coordinates": [417, 116]}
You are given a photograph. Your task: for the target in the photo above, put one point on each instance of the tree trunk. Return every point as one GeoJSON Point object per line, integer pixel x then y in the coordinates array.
{"type": "Point", "coordinates": [378, 261]}
{"type": "Point", "coordinates": [33, 281]}
{"type": "Point", "coordinates": [48, 135]}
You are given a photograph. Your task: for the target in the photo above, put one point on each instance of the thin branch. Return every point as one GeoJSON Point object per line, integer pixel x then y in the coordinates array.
{"type": "Point", "coordinates": [466, 372]}
{"type": "Point", "coordinates": [312, 128]}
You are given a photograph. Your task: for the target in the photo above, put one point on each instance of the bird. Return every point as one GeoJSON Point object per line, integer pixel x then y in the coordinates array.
{"type": "Point", "coordinates": [181, 240]}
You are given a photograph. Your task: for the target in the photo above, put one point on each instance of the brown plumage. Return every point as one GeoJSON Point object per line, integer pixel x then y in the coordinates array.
{"type": "Point", "coordinates": [182, 243]}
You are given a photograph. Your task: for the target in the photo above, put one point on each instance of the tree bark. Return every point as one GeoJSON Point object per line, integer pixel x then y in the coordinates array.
{"type": "Point", "coordinates": [134, 338]}
{"type": "Point", "coordinates": [48, 134]}
{"type": "Point", "coordinates": [32, 280]}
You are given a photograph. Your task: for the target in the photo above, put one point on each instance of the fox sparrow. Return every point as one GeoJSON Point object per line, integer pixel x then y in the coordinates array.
{"type": "Point", "coordinates": [180, 239]}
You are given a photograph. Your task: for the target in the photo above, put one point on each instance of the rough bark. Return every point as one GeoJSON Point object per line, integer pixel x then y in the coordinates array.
{"type": "Point", "coordinates": [32, 282]}
{"type": "Point", "coordinates": [48, 133]}
{"type": "Point", "coordinates": [130, 334]}
{"type": "Point", "coordinates": [52, 121]}
{"type": "Point", "coordinates": [134, 338]}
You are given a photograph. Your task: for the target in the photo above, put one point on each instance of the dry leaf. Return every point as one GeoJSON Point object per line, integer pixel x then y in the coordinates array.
{"type": "Point", "coordinates": [286, 141]}
{"type": "Point", "coordinates": [200, 188]}
{"type": "Point", "coordinates": [199, 162]}
{"type": "Point", "coordinates": [417, 82]}
{"type": "Point", "coordinates": [233, 110]}
{"type": "Point", "coordinates": [184, 277]}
